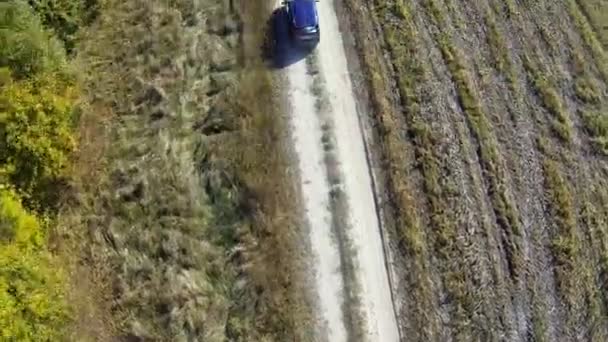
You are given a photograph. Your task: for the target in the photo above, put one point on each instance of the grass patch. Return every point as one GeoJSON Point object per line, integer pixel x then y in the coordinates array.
{"type": "Point", "coordinates": [401, 38]}
{"type": "Point", "coordinates": [597, 124]}
{"type": "Point", "coordinates": [593, 111]}
{"type": "Point", "coordinates": [597, 13]}
{"type": "Point", "coordinates": [504, 207]}
{"type": "Point", "coordinates": [499, 50]}
{"type": "Point", "coordinates": [565, 244]}
{"type": "Point", "coordinates": [587, 89]}
{"type": "Point", "coordinates": [551, 100]}
{"type": "Point", "coordinates": [421, 314]}
{"type": "Point", "coordinates": [588, 34]}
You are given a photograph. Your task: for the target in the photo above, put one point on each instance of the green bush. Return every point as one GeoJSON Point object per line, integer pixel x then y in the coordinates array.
{"type": "Point", "coordinates": [65, 17]}
{"type": "Point", "coordinates": [35, 130]}
{"type": "Point", "coordinates": [32, 305]}
{"type": "Point", "coordinates": [25, 46]}
{"type": "Point", "coordinates": [36, 139]}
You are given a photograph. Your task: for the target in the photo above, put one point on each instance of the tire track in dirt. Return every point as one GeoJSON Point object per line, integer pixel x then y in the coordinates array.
{"type": "Point", "coordinates": [353, 293]}
{"type": "Point", "coordinates": [564, 46]}
{"type": "Point", "coordinates": [489, 256]}
{"type": "Point", "coordinates": [526, 102]}
{"type": "Point", "coordinates": [495, 93]}
{"type": "Point", "coordinates": [543, 314]}
{"type": "Point", "coordinates": [452, 206]}
{"type": "Point", "coordinates": [307, 136]}
{"type": "Point", "coordinates": [413, 285]}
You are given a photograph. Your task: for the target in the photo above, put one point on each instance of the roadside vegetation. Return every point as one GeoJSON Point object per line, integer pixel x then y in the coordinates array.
{"type": "Point", "coordinates": [503, 105]}
{"type": "Point", "coordinates": [134, 201]}
{"type": "Point", "coordinates": [38, 106]}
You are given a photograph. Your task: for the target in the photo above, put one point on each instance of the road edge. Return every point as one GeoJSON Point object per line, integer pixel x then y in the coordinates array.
{"type": "Point", "coordinates": [360, 82]}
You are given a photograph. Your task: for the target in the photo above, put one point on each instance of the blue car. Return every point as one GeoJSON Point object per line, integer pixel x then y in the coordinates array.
{"type": "Point", "coordinates": [303, 21]}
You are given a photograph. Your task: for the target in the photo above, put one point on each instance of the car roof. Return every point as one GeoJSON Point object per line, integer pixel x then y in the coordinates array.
{"type": "Point", "coordinates": [304, 13]}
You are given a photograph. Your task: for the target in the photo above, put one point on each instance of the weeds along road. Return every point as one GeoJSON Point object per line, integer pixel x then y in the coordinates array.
{"type": "Point", "coordinates": [351, 283]}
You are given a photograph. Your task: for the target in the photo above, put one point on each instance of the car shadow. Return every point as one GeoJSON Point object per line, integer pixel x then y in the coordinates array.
{"type": "Point", "coordinates": [279, 51]}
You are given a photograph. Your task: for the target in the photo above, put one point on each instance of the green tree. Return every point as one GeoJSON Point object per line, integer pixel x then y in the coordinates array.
{"type": "Point", "coordinates": [32, 303]}
{"type": "Point", "coordinates": [25, 46]}
{"type": "Point", "coordinates": [65, 17]}
{"type": "Point", "coordinates": [36, 135]}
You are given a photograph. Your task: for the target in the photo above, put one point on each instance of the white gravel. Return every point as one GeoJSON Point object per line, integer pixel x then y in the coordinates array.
{"type": "Point", "coordinates": [306, 135]}
{"type": "Point", "coordinates": [363, 231]}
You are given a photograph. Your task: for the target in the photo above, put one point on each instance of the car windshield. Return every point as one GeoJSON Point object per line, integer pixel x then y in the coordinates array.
{"type": "Point", "coordinates": [304, 13]}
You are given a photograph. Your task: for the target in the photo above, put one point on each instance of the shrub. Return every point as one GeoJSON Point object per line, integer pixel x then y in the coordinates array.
{"type": "Point", "coordinates": [65, 17]}
{"type": "Point", "coordinates": [35, 130]}
{"type": "Point", "coordinates": [25, 47]}
{"type": "Point", "coordinates": [32, 305]}
{"type": "Point", "coordinates": [36, 120]}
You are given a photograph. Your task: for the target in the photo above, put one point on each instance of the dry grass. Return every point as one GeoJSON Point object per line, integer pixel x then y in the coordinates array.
{"type": "Point", "coordinates": [286, 314]}
{"type": "Point", "coordinates": [408, 226]}
{"type": "Point", "coordinates": [442, 243]}
{"type": "Point", "coordinates": [90, 291]}
{"type": "Point", "coordinates": [597, 13]}
{"type": "Point", "coordinates": [409, 67]}
{"type": "Point", "coordinates": [193, 233]}
{"type": "Point", "coordinates": [500, 51]}
{"type": "Point", "coordinates": [597, 123]}
{"type": "Point", "coordinates": [550, 98]}
{"type": "Point", "coordinates": [590, 37]}
{"type": "Point", "coordinates": [262, 161]}
{"type": "Point", "coordinates": [401, 38]}
{"type": "Point", "coordinates": [574, 271]}
{"type": "Point", "coordinates": [482, 129]}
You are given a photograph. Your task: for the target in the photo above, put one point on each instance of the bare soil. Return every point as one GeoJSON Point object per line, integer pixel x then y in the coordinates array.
{"type": "Point", "coordinates": [487, 134]}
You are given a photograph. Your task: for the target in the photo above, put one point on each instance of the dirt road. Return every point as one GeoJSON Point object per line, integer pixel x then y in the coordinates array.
{"type": "Point", "coordinates": [351, 284]}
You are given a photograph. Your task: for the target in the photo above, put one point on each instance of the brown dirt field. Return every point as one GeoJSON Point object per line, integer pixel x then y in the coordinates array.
{"type": "Point", "coordinates": [494, 165]}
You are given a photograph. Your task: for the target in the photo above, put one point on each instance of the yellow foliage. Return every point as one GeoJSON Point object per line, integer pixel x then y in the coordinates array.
{"type": "Point", "coordinates": [15, 225]}
{"type": "Point", "coordinates": [36, 139]}
{"type": "Point", "coordinates": [32, 305]}
{"type": "Point", "coordinates": [35, 130]}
